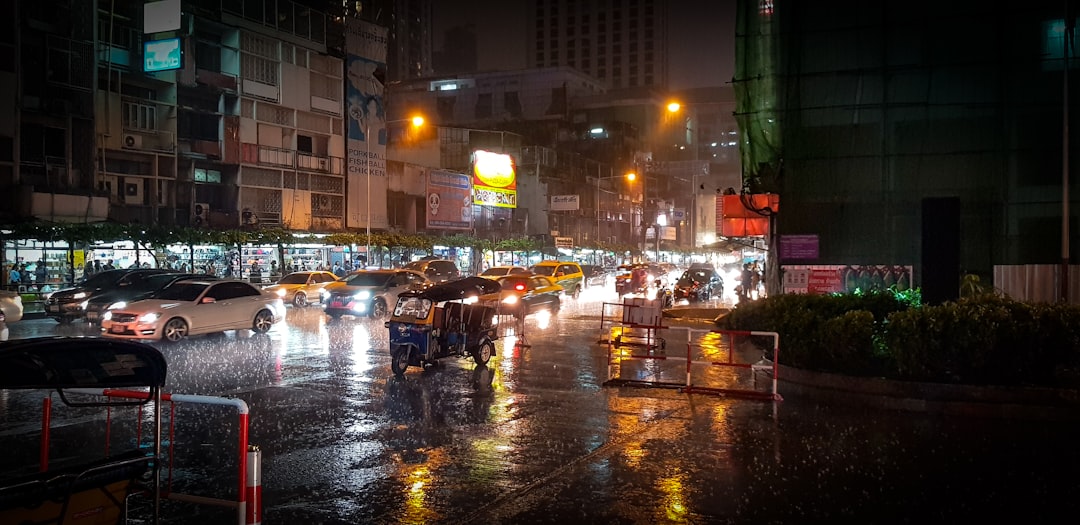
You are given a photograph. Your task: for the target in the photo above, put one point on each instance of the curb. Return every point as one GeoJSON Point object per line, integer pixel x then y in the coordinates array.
{"type": "Point", "coordinates": [931, 398]}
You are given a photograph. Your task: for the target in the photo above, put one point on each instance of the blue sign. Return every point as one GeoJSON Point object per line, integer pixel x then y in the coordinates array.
{"type": "Point", "coordinates": [162, 55]}
{"type": "Point", "coordinates": [679, 214]}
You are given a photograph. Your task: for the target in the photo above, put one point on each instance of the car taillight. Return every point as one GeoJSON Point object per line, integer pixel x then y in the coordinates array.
{"type": "Point", "coordinates": [519, 287]}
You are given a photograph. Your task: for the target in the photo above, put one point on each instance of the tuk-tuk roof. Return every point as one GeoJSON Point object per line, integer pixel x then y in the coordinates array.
{"type": "Point", "coordinates": [79, 362]}
{"type": "Point", "coordinates": [459, 289]}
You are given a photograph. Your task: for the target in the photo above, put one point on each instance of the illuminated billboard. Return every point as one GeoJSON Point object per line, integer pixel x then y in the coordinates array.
{"type": "Point", "coordinates": [162, 55]}
{"type": "Point", "coordinates": [494, 179]}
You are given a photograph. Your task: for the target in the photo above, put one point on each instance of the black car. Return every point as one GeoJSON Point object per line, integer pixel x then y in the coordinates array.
{"type": "Point", "coordinates": [522, 295]}
{"type": "Point", "coordinates": [70, 303]}
{"type": "Point", "coordinates": [699, 284]}
{"type": "Point", "coordinates": [137, 290]}
{"type": "Point", "coordinates": [437, 270]}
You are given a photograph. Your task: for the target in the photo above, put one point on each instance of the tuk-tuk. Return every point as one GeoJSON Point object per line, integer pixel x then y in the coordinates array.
{"type": "Point", "coordinates": [445, 320]}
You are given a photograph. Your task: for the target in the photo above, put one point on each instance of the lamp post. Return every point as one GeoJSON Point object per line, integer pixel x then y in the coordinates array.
{"type": "Point", "coordinates": [417, 121]}
{"type": "Point", "coordinates": [673, 108]}
{"type": "Point", "coordinates": [629, 176]}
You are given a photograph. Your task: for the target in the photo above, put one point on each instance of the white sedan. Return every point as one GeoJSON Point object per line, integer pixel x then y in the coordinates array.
{"type": "Point", "coordinates": [192, 307]}
{"type": "Point", "coordinates": [11, 307]}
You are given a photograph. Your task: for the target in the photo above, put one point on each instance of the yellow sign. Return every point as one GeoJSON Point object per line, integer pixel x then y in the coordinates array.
{"type": "Point", "coordinates": [494, 179]}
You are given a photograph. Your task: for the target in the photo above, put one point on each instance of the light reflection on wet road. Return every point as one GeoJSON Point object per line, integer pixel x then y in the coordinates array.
{"type": "Point", "coordinates": [535, 438]}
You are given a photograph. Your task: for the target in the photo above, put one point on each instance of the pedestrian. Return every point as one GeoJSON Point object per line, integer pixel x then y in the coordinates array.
{"type": "Point", "coordinates": [108, 265]}
{"type": "Point", "coordinates": [14, 277]}
{"type": "Point", "coordinates": [41, 273]}
{"type": "Point", "coordinates": [97, 267]}
{"type": "Point", "coordinates": [745, 283]}
{"type": "Point", "coordinates": [338, 270]}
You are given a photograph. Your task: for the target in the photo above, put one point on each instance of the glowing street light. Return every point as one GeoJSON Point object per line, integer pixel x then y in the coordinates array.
{"type": "Point", "coordinates": [417, 121]}
{"type": "Point", "coordinates": [674, 107]}
{"type": "Point", "coordinates": [629, 177]}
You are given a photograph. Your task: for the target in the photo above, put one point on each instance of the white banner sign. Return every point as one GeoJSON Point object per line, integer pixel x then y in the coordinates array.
{"type": "Point", "coordinates": [564, 242]}
{"type": "Point", "coordinates": [365, 45]}
{"type": "Point", "coordinates": [565, 203]}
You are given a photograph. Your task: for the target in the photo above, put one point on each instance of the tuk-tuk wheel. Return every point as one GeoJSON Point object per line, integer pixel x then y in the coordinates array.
{"type": "Point", "coordinates": [483, 353]}
{"type": "Point", "coordinates": [399, 360]}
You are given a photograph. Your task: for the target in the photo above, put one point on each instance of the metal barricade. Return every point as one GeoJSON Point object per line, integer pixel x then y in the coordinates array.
{"type": "Point", "coordinates": [248, 500]}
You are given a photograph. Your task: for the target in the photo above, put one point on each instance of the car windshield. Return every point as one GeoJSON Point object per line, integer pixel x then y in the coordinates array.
{"type": "Point", "coordinates": [544, 270]}
{"type": "Point", "coordinates": [294, 278]}
{"type": "Point", "coordinates": [368, 279]}
{"type": "Point", "coordinates": [416, 265]}
{"type": "Point", "coordinates": [154, 282]}
{"type": "Point", "coordinates": [501, 270]}
{"type": "Point", "coordinates": [181, 291]}
{"type": "Point", "coordinates": [102, 279]}
{"type": "Point", "coordinates": [694, 276]}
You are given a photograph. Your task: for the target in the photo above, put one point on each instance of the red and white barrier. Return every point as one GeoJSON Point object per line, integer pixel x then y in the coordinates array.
{"type": "Point", "coordinates": [693, 358]}
{"type": "Point", "coordinates": [254, 486]}
{"type": "Point", "coordinates": [248, 502]}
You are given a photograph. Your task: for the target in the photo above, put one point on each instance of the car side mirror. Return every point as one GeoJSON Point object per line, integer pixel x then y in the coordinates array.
{"type": "Point", "coordinates": [208, 300]}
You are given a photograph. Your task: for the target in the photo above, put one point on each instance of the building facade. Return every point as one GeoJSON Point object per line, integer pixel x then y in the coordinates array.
{"type": "Point", "coordinates": [622, 43]}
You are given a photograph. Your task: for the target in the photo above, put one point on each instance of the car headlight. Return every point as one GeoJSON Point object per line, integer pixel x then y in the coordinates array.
{"type": "Point", "coordinates": [107, 316]}
{"type": "Point", "coordinates": [510, 299]}
{"type": "Point", "coordinates": [117, 304]}
{"type": "Point", "coordinates": [362, 296]}
{"type": "Point", "coordinates": [280, 292]}
{"type": "Point", "coordinates": [83, 304]}
{"type": "Point", "coordinates": [80, 295]}
{"type": "Point", "coordinates": [149, 318]}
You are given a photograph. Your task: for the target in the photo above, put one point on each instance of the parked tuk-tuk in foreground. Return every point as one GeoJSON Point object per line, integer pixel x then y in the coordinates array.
{"type": "Point", "coordinates": [94, 492]}
{"type": "Point", "coordinates": [442, 321]}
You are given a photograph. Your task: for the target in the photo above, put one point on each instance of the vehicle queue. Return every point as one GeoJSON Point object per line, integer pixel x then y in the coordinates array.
{"type": "Point", "coordinates": [158, 304]}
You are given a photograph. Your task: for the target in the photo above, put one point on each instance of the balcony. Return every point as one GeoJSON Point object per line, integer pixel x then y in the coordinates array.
{"type": "Point", "coordinates": [291, 159]}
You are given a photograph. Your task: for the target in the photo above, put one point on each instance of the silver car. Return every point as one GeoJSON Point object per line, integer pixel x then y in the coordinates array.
{"type": "Point", "coordinates": [370, 293]}
{"type": "Point", "coordinates": [192, 307]}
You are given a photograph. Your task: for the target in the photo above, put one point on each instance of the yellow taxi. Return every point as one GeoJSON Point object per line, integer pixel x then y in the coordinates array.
{"type": "Point", "coordinates": [567, 274]}
{"type": "Point", "coordinates": [301, 288]}
{"type": "Point", "coordinates": [523, 294]}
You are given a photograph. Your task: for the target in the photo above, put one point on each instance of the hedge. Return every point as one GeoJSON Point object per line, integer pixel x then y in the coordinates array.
{"type": "Point", "coordinates": [986, 340]}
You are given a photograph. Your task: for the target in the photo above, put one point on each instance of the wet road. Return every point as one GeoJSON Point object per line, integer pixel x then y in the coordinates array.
{"type": "Point", "coordinates": [535, 438]}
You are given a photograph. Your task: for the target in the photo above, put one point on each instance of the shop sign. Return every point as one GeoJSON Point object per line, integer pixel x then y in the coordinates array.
{"type": "Point", "coordinates": [798, 247]}
{"type": "Point", "coordinates": [564, 242]}
{"type": "Point", "coordinates": [449, 206]}
{"type": "Point", "coordinates": [494, 179]}
{"type": "Point", "coordinates": [565, 203]}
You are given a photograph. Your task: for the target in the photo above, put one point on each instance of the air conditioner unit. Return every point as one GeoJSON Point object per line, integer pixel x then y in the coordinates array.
{"type": "Point", "coordinates": [132, 141]}
{"type": "Point", "coordinates": [200, 214]}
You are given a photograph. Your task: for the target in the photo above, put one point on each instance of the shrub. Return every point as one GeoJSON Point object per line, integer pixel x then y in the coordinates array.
{"type": "Point", "coordinates": [984, 339]}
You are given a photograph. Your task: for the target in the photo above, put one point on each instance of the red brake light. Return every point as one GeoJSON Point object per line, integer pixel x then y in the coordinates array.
{"type": "Point", "coordinates": [519, 287]}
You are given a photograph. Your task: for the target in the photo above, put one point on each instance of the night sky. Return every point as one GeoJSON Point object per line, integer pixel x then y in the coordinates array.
{"type": "Point", "coordinates": [702, 33]}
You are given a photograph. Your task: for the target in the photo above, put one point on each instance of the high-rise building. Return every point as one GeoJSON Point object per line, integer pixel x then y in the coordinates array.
{"type": "Point", "coordinates": [623, 43]}
{"type": "Point", "coordinates": [410, 34]}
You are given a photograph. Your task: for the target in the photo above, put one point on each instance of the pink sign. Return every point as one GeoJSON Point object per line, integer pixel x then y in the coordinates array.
{"type": "Point", "coordinates": [824, 281]}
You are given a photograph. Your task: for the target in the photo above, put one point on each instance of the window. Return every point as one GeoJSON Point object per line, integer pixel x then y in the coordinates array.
{"type": "Point", "coordinates": [483, 105]}
{"type": "Point", "coordinates": [207, 56]}
{"type": "Point", "coordinates": [139, 116]}
{"type": "Point", "coordinates": [304, 143]}
{"type": "Point", "coordinates": [259, 69]}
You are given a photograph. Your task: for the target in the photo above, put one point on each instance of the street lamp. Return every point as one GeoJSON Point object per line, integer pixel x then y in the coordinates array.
{"type": "Point", "coordinates": [629, 177]}
{"type": "Point", "coordinates": [417, 122]}
{"type": "Point", "coordinates": [673, 108]}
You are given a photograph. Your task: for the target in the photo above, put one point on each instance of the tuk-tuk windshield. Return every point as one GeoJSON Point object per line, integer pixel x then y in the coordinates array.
{"type": "Point", "coordinates": [412, 307]}
{"type": "Point", "coordinates": [368, 279]}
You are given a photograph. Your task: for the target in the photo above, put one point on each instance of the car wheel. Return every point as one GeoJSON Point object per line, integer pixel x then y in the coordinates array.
{"type": "Point", "coordinates": [174, 330]}
{"type": "Point", "coordinates": [577, 292]}
{"type": "Point", "coordinates": [300, 300]}
{"type": "Point", "coordinates": [399, 360]}
{"type": "Point", "coordinates": [483, 353]}
{"type": "Point", "coordinates": [264, 320]}
{"type": "Point", "coordinates": [555, 306]}
{"type": "Point", "coordinates": [378, 309]}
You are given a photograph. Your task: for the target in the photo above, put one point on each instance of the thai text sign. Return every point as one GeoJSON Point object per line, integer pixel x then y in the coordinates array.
{"type": "Point", "coordinates": [798, 247]}
{"type": "Point", "coordinates": [494, 179]}
{"type": "Point", "coordinates": [565, 203]}
{"type": "Point", "coordinates": [564, 242]}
